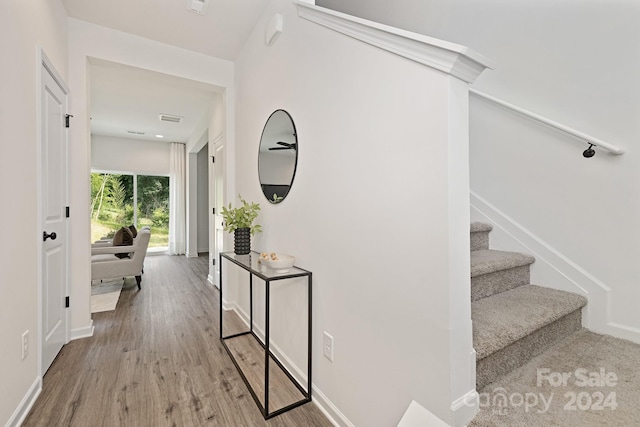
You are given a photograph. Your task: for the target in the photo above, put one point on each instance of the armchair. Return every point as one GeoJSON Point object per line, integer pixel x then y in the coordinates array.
{"type": "Point", "coordinates": [105, 265]}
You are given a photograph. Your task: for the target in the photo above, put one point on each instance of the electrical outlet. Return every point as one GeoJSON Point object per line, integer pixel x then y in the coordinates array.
{"type": "Point", "coordinates": [327, 346]}
{"type": "Point", "coordinates": [25, 344]}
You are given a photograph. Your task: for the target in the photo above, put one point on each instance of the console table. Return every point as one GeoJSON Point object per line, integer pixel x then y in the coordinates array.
{"type": "Point", "coordinates": [251, 344]}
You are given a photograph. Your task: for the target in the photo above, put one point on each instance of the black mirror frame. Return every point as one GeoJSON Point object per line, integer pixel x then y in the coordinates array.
{"type": "Point", "coordinates": [295, 166]}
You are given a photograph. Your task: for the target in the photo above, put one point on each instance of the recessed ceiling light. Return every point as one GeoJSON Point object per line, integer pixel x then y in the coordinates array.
{"type": "Point", "coordinates": [159, 136]}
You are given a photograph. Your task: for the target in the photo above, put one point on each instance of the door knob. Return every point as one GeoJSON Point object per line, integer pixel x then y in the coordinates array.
{"type": "Point", "coordinates": [45, 236]}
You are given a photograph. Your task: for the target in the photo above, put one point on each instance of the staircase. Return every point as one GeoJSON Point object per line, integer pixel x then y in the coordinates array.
{"type": "Point", "coordinates": [513, 320]}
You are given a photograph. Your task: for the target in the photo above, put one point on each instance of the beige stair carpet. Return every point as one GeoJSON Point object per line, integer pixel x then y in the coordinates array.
{"type": "Point", "coordinates": [585, 380]}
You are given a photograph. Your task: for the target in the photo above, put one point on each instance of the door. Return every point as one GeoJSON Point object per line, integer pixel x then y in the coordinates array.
{"type": "Point", "coordinates": [218, 203]}
{"type": "Point", "coordinates": [53, 198]}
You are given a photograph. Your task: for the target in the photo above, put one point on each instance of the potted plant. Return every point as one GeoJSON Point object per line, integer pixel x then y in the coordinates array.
{"type": "Point", "coordinates": [240, 221]}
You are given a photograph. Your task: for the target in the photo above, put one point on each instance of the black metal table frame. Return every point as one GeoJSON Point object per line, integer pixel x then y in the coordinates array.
{"type": "Point", "coordinates": [268, 353]}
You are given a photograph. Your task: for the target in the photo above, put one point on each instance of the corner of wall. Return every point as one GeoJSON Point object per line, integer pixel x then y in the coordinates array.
{"type": "Point", "coordinates": [82, 332]}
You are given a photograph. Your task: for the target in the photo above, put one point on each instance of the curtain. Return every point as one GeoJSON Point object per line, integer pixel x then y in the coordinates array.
{"type": "Point", "coordinates": [177, 205]}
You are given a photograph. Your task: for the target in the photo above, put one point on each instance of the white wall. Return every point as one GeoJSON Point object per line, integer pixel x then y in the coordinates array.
{"type": "Point", "coordinates": [130, 155]}
{"type": "Point", "coordinates": [203, 199]}
{"type": "Point", "coordinates": [375, 212]}
{"type": "Point", "coordinates": [93, 41]}
{"type": "Point", "coordinates": [24, 26]}
{"type": "Point", "coordinates": [565, 60]}
{"type": "Point", "coordinates": [576, 63]}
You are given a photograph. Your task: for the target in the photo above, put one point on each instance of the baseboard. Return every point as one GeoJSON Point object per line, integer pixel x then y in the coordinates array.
{"type": "Point", "coordinates": [21, 412]}
{"type": "Point", "coordinates": [85, 332]}
{"type": "Point", "coordinates": [553, 269]}
{"type": "Point", "coordinates": [210, 280]}
{"type": "Point", "coordinates": [620, 331]}
{"type": "Point", "coordinates": [191, 254]}
{"type": "Point", "coordinates": [465, 408]}
{"type": "Point", "coordinates": [329, 410]}
{"type": "Point", "coordinates": [226, 305]}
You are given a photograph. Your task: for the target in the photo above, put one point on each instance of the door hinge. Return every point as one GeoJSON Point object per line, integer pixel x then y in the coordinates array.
{"type": "Point", "coordinates": [67, 212]}
{"type": "Point", "coordinates": [66, 302]}
{"type": "Point", "coordinates": [66, 120]}
{"type": "Point", "coordinates": [213, 261]}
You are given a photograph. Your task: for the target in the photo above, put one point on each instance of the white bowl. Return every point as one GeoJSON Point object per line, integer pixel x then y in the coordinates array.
{"type": "Point", "coordinates": [284, 262]}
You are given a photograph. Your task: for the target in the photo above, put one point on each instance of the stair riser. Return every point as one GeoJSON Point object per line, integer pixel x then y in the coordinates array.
{"type": "Point", "coordinates": [479, 240]}
{"type": "Point", "coordinates": [500, 363]}
{"type": "Point", "coordinates": [499, 281]}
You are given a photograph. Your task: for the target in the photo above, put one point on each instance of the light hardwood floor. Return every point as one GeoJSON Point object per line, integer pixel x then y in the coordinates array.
{"type": "Point", "coordinates": [156, 361]}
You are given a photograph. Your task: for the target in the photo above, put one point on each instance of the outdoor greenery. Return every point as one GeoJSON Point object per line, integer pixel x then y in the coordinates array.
{"type": "Point", "coordinates": [112, 205]}
{"type": "Point", "coordinates": [241, 217]}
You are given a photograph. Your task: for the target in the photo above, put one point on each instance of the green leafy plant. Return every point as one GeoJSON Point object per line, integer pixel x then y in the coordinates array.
{"type": "Point", "coordinates": [241, 217]}
{"type": "Point", "coordinates": [160, 217]}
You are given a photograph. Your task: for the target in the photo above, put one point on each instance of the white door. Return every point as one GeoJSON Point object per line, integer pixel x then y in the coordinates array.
{"type": "Point", "coordinates": [53, 198]}
{"type": "Point", "coordinates": [218, 202]}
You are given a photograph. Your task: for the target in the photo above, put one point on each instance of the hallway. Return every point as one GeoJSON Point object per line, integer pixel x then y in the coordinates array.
{"type": "Point", "coordinates": [155, 361]}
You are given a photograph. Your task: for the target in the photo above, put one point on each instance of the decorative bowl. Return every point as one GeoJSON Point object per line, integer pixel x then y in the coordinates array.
{"type": "Point", "coordinates": [281, 265]}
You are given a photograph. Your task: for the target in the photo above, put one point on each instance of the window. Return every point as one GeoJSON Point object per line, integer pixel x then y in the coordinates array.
{"type": "Point", "coordinates": [119, 200]}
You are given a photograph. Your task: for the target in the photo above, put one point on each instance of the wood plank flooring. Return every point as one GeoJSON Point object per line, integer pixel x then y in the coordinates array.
{"type": "Point", "coordinates": [156, 361]}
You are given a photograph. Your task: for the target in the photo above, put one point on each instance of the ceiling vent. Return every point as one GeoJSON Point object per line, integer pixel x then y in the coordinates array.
{"type": "Point", "coordinates": [198, 7]}
{"type": "Point", "coordinates": [135, 132]}
{"type": "Point", "coordinates": [170, 118]}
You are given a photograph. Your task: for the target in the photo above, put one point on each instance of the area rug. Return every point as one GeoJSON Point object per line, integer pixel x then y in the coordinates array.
{"type": "Point", "coordinates": [105, 295]}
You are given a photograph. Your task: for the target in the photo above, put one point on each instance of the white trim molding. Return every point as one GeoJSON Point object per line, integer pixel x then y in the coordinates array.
{"type": "Point", "coordinates": [85, 332]}
{"type": "Point", "coordinates": [450, 58]}
{"type": "Point", "coordinates": [21, 412]}
{"type": "Point", "coordinates": [465, 408]}
{"type": "Point", "coordinates": [331, 411]}
{"type": "Point", "coordinates": [554, 269]}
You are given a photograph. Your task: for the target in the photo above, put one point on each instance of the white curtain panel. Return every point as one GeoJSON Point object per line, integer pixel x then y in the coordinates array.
{"type": "Point", "coordinates": [177, 205]}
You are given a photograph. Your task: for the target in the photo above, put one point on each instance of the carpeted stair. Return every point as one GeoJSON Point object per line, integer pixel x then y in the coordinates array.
{"type": "Point", "coordinates": [513, 321]}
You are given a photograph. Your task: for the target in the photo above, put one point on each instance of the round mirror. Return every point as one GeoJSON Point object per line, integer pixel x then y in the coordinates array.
{"type": "Point", "coordinates": [277, 156]}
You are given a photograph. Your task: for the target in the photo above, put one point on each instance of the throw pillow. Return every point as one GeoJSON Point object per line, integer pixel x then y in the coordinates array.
{"type": "Point", "coordinates": [117, 238]}
{"type": "Point", "coordinates": [133, 230]}
{"type": "Point", "coordinates": [123, 237]}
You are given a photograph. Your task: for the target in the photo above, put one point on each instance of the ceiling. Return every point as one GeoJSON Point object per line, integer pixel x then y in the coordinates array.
{"type": "Point", "coordinates": [221, 32]}
{"type": "Point", "coordinates": [126, 99]}
{"type": "Point", "coordinates": [126, 103]}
